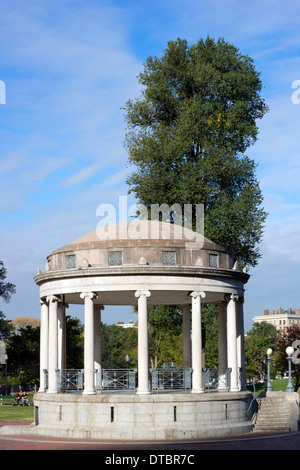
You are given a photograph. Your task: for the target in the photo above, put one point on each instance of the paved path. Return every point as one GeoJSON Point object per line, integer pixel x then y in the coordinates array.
{"type": "Point", "coordinates": [288, 441]}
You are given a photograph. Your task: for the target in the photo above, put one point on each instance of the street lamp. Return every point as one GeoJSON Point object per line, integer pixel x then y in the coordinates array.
{"type": "Point", "coordinates": [269, 387]}
{"type": "Point", "coordinates": [6, 357]}
{"type": "Point", "coordinates": [289, 350]}
{"type": "Point", "coordinates": [127, 360]}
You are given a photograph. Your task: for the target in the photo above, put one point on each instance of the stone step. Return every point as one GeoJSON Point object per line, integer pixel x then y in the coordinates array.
{"type": "Point", "coordinates": [274, 429]}
{"type": "Point", "coordinates": [272, 416]}
{"type": "Point", "coordinates": [281, 414]}
{"type": "Point", "coordinates": [270, 423]}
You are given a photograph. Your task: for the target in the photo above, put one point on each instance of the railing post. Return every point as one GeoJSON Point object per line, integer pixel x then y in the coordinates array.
{"type": "Point", "coordinates": [187, 378]}
{"type": "Point", "coordinates": [228, 377]}
{"type": "Point", "coordinates": [80, 380]}
{"type": "Point", "coordinates": [58, 380]}
{"type": "Point", "coordinates": [45, 372]}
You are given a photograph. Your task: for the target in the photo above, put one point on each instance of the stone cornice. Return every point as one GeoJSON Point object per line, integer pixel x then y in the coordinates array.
{"type": "Point", "coordinates": [153, 270]}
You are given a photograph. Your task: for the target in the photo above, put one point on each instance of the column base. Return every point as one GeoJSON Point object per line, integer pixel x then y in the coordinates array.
{"type": "Point", "coordinates": [89, 392]}
{"type": "Point", "coordinates": [200, 390]}
{"type": "Point", "coordinates": [143, 392]}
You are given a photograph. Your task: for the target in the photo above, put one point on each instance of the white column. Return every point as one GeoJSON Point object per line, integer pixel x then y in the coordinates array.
{"type": "Point", "coordinates": [222, 351]}
{"type": "Point", "coordinates": [89, 377]}
{"type": "Point", "coordinates": [44, 343]}
{"type": "Point", "coordinates": [61, 332]}
{"type": "Point", "coordinates": [143, 379]}
{"type": "Point", "coordinates": [197, 360]}
{"type": "Point", "coordinates": [53, 343]}
{"type": "Point", "coordinates": [186, 336]}
{"type": "Point", "coordinates": [232, 342]}
{"type": "Point", "coordinates": [97, 340]}
{"type": "Point", "coordinates": [241, 343]}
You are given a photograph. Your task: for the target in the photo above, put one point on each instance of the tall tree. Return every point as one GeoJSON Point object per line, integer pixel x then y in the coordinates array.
{"type": "Point", "coordinates": [287, 337]}
{"type": "Point", "coordinates": [75, 343]}
{"type": "Point", "coordinates": [265, 336]}
{"type": "Point", "coordinates": [23, 351]}
{"type": "Point", "coordinates": [6, 291]}
{"type": "Point", "coordinates": [262, 336]}
{"type": "Point", "coordinates": [165, 345]}
{"type": "Point", "coordinates": [187, 135]}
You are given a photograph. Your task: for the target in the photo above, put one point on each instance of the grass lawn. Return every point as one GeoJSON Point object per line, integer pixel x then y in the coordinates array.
{"type": "Point", "coordinates": [278, 385]}
{"type": "Point", "coordinates": [16, 413]}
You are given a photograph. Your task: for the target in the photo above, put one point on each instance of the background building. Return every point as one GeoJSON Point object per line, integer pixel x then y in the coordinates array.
{"type": "Point", "coordinates": [131, 324]}
{"type": "Point", "coordinates": [280, 318]}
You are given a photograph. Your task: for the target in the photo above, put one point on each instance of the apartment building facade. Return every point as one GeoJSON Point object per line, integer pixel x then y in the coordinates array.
{"type": "Point", "coordinates": [280, 318]}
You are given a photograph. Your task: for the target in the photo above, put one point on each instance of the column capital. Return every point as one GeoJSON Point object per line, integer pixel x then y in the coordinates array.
{"type": "Point", "coordinates": [138, 293]}
{"type": "Point", "coordinates": [44, 301]}
{"type": "Point", "coordinates": [89, 295]}
{"type": "Point", "coordinates": [233, 296]}
{"type": "Point", "coordinates": [99, 306]}
{"type": "Point", "coordinates": [195, 294]}
{"type": "Point", "coordinates": [53, 298]}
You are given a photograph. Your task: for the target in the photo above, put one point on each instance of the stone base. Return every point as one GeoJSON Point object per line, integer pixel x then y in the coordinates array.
{"type": "Point", "coordinates": [140, 417]}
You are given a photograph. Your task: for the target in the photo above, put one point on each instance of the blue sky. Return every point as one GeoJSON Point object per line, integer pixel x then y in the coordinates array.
{"type": "Point", "coordinates": [69, 67]}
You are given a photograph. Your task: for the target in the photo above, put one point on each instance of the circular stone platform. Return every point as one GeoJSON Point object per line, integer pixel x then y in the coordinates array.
{"type": "Point", "coordinates": [143, 417]}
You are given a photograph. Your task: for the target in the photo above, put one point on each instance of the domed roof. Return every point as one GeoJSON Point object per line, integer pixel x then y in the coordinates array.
{"type": "Point", "coordinates": [117, 259]}
{"type": "Point", "coordinates": [137, 232]}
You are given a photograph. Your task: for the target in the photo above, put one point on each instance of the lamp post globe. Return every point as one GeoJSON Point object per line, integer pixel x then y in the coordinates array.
{"type": "Point", "coordinates": [269, 387]}
{"type": "Point", "coordinates": [289, 351]}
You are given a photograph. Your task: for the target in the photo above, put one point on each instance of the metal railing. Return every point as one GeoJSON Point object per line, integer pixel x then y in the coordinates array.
{"type": "Point", "coordinates": [171, 379]}
{"type": "Point", "coordinates": [121, 380]}
{"type": "Point", "coordinates": [116, 379]}
{"type": "Point", "coordinates": [216, 379]}
{"type": "Point", "coordinates": [70, 380]}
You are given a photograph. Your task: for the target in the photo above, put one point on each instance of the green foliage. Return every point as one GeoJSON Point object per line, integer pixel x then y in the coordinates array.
{"type": "Point", "coordinates": [74, 341]}
{"type": "Point", "coordinates": [265, 336]}
{"type": "Point", "coordinates": [209, 315]}
{"type": "Point", "coordinates": [253, 358]}
{"type": "Point", "coordinates": [6, 291]}
{"type": "Point", "coordinates": [285, 339]}
{"type": "Point", "coordinates": [117, 343]}
{"type": "Point", "coordinates": [165, 339]}
{"type": "Point", "coordinates": [23, 350]}
{"type": "Point", "coordinates": [262, 336]}
{"type": "Point", "coordinates": [23, 354]}
{"type": "Point", "coordinates": [5, 327]}
{"type": "Point", "coordinates": [187, 134]}
{"type": "Point", "coordinates": [6, 288]}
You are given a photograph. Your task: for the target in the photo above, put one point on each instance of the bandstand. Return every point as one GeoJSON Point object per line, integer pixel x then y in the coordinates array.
{"type": "Point", "coordinates": [142, 263]}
